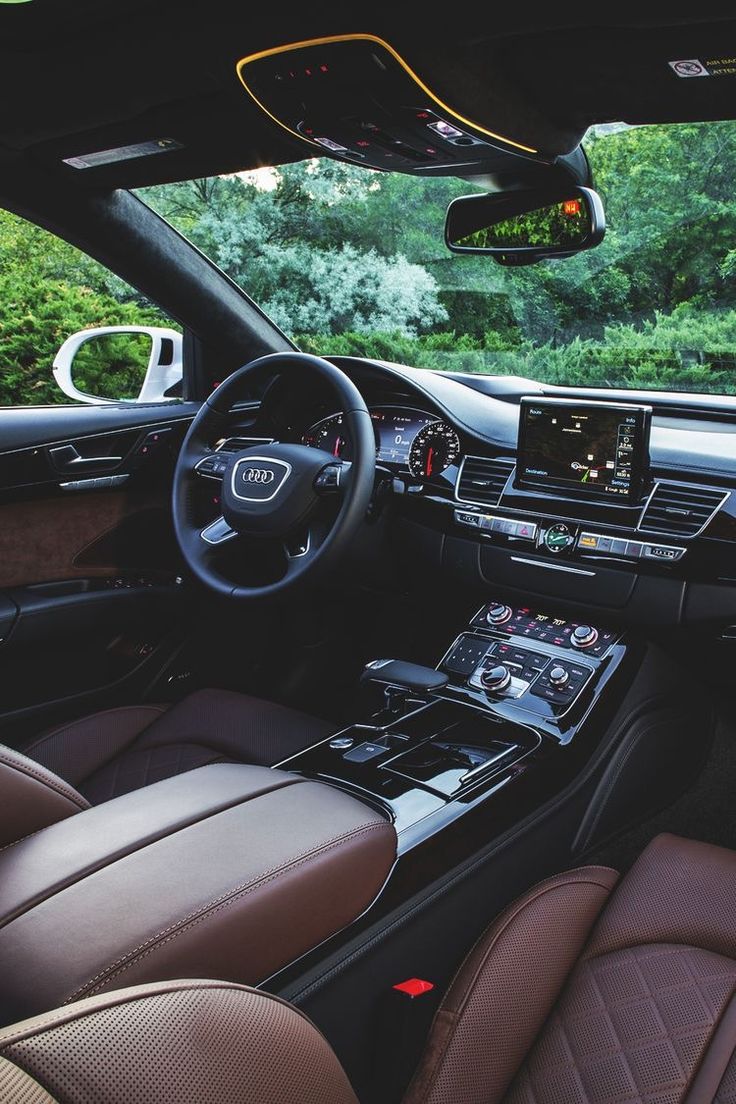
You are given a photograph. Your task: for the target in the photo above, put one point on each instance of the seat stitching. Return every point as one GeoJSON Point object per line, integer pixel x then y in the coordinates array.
{"type": "Point", "coordinates": [556, 881]}
{"type": "Point", "coordinates": [170, 933]}
{"type": "Point", "coordinates": [48, 778]}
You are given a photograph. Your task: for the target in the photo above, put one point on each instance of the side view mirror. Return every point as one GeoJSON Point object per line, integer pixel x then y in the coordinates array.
{"type": "Point", "coordinates": [113, 364]}
{"type": "Point", "coordinates": [526, 226]}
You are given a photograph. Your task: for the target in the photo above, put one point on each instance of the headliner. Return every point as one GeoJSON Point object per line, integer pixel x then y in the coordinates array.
{"type": "Point", "coordinates": [80, 75]}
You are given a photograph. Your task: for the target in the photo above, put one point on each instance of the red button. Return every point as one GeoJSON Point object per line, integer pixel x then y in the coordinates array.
{"type": "Point", "coordinates": [414, 987]}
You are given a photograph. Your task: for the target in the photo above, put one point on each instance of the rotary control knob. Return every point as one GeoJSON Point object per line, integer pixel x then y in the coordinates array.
{"type": "Point", "coordinates": [496, 678]}
{"type": "Point", "coordinates": [558, 676]}
{"type": "Point", "coordinates": [583, 636]}
{"type": "Point", "coordinates": [499, 614]}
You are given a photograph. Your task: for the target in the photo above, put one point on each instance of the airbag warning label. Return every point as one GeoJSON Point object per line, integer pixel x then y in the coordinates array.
{"type": "Point", "coordinates": [709, 67]}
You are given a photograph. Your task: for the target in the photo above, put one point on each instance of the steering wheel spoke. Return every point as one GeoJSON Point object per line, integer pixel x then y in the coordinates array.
{"type": "Point", "coordinates": [217, 532]}
{"type": "Point", "coordinates": [302, 547]}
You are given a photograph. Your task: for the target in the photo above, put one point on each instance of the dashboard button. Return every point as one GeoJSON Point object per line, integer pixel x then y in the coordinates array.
{"type": "Point", "coordinates": [618, 547]}
{"type": "Point", "coordinates": [363, 752]}
{"type": "Point", "coordinates": [588, 541]}
{"type": "Point", "coordinates": [559, 697]}
{"type": "Point", "coordinates": [633, 548]}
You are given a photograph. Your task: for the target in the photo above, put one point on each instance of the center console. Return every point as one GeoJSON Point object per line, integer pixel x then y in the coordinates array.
{"type": "Point", "coordinates": [528, 665]}
{"type": "Point", "coordinates": [512, 687]}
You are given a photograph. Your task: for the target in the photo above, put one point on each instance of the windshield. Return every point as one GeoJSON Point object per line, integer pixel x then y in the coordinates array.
{"type": "Point", "coordinates": [350, 261]}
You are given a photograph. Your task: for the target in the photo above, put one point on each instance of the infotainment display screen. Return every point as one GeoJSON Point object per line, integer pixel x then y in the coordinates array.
{"type": "Point", "coordinates": [587, 449]}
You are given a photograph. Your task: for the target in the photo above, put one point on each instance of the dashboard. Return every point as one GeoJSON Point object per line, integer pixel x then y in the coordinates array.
{"type": "Point", "coordinates": [626, 504]}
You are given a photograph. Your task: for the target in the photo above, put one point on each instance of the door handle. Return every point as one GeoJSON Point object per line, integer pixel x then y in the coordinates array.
{"type": "Point", "coordinates": [66, 458]}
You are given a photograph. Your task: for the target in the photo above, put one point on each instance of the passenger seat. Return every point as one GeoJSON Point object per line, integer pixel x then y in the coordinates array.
{"type": "Point", "coordinates": [582, 992]}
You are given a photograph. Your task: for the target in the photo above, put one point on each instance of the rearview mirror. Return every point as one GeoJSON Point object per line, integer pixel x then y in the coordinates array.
{"type": "Point", "coordinates": [120, 364]}
{"type": "Point", "coordinates": [525, 226]}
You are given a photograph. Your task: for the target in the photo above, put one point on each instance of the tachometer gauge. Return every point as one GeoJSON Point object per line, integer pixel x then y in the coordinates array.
{"type": "Point", "coordinates": [434, 449]}
{"type": "Point", "coordinates": [329, 434]}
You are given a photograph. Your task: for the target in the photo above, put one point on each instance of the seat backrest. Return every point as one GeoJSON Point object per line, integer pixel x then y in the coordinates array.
{"type": "Point", "coordinates": [32, 797]}
{"type": "Point", "coordinates": [178, 1042]}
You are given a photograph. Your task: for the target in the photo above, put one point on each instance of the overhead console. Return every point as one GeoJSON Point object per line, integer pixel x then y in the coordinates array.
{"type": "Point", "coordinates": [355, 97]}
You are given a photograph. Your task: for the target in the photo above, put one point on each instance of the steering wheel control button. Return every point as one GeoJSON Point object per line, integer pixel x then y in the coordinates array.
{"type": "Point", "coordinates": [212, 467]}
{"type": "Point", "coordinates": [499, 614]}
{"type": "Point", "coordinates": [328, 480]}
{"type": "Point", "coordinates": [584, 636]}
{"type": "Point", "coordinates": [342, 743]}
{"type": "Point", "coordinates": [364, 752]}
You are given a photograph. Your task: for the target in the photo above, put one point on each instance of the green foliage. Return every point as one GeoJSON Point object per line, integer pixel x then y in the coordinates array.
{"type": "Point", "coordinates": [545, 226]}
{"type": "Point", "coordinates": [48, 291]}
{"type": "Point", "coordinates": [355, 262]}
{"type": "Point", "coordinates": [112, 366]}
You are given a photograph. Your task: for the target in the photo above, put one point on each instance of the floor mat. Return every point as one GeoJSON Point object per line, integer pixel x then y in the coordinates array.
{"type": "Point", "coordinates": [706, 812]}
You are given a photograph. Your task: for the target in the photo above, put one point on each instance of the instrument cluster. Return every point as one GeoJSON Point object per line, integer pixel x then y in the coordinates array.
{"type": "Point", "coordinates": [407, 438]}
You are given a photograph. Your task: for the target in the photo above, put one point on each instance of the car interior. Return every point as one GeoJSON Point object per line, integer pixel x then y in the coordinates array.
{"type": "Point", "coordinates": [367, 730]}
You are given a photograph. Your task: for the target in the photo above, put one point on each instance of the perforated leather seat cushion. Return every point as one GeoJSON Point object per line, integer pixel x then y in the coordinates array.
{"type": "Point", "coordinates": [638, 1006]}
{"type": "Point", "coordinates": [111, 753]}
{"type": "Point", "coordinates": [173, 1043]}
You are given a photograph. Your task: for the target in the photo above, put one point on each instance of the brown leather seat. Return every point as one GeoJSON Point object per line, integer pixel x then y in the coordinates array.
{"type": "Point", "coordinates": [580, 993]}
{"type": "Point", "coordinates": [86, 762]}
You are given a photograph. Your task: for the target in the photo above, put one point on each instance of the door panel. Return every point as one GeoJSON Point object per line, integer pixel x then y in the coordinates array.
{"type": "Point", "coordinates": [90, 607]}
{"type": "Point", "coordinates": [90, 535]}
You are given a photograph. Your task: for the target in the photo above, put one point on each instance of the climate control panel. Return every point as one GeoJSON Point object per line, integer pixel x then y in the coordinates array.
{"type": "Point", "coordinates": [526, 623]}
{"type": "Point", "coordinates": [516, 658]}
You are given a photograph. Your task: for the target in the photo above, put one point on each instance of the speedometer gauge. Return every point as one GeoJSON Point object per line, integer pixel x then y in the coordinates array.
{"type": "Point", "coordinates": [434, 449]}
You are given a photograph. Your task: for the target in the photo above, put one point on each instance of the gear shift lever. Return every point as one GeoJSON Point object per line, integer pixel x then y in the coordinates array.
{"type": "Point", "coordinates": [400, 681]}
{"type": "Point", "coordinates": [408, 676]}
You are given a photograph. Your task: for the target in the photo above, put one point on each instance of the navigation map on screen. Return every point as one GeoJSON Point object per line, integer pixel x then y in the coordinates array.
{"type": "Point", "coordinates": [598, 450]}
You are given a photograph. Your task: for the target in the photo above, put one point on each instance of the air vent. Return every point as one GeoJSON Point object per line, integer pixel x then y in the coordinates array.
{"type": "Point", "coordinates": [680, 510]}
{"type": "Point", "coordinates": [482, 481]}
{"type": "Point", "coordinates": [237, 444]}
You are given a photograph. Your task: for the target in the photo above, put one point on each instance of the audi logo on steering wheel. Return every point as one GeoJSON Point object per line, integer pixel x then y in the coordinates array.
{"type": "Point", "coordinates": [257, 475]}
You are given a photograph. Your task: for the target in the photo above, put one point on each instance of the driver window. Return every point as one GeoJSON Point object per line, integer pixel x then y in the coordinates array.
{"type": "Point", "coordinates": [50, 292]}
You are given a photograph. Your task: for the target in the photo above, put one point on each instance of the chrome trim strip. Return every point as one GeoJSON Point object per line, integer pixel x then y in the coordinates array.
{"type": "Point", "coordinates": [214, 525]}
{"type": "Point", "coordinates": [554, 567]}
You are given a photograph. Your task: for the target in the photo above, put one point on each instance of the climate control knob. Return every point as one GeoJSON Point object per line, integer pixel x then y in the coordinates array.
{"type": "Point", "coordinates": [583, 636]}
{"type": "Point", "coordinates": [496, 678]}
{"type": "Point", "coordinates": [499, 614]}
{"type": "Point", "coordinates": [558, 676]}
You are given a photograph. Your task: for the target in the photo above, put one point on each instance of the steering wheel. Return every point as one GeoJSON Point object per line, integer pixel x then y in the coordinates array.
{"type": "Point", "coordinates": [273, 491]}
